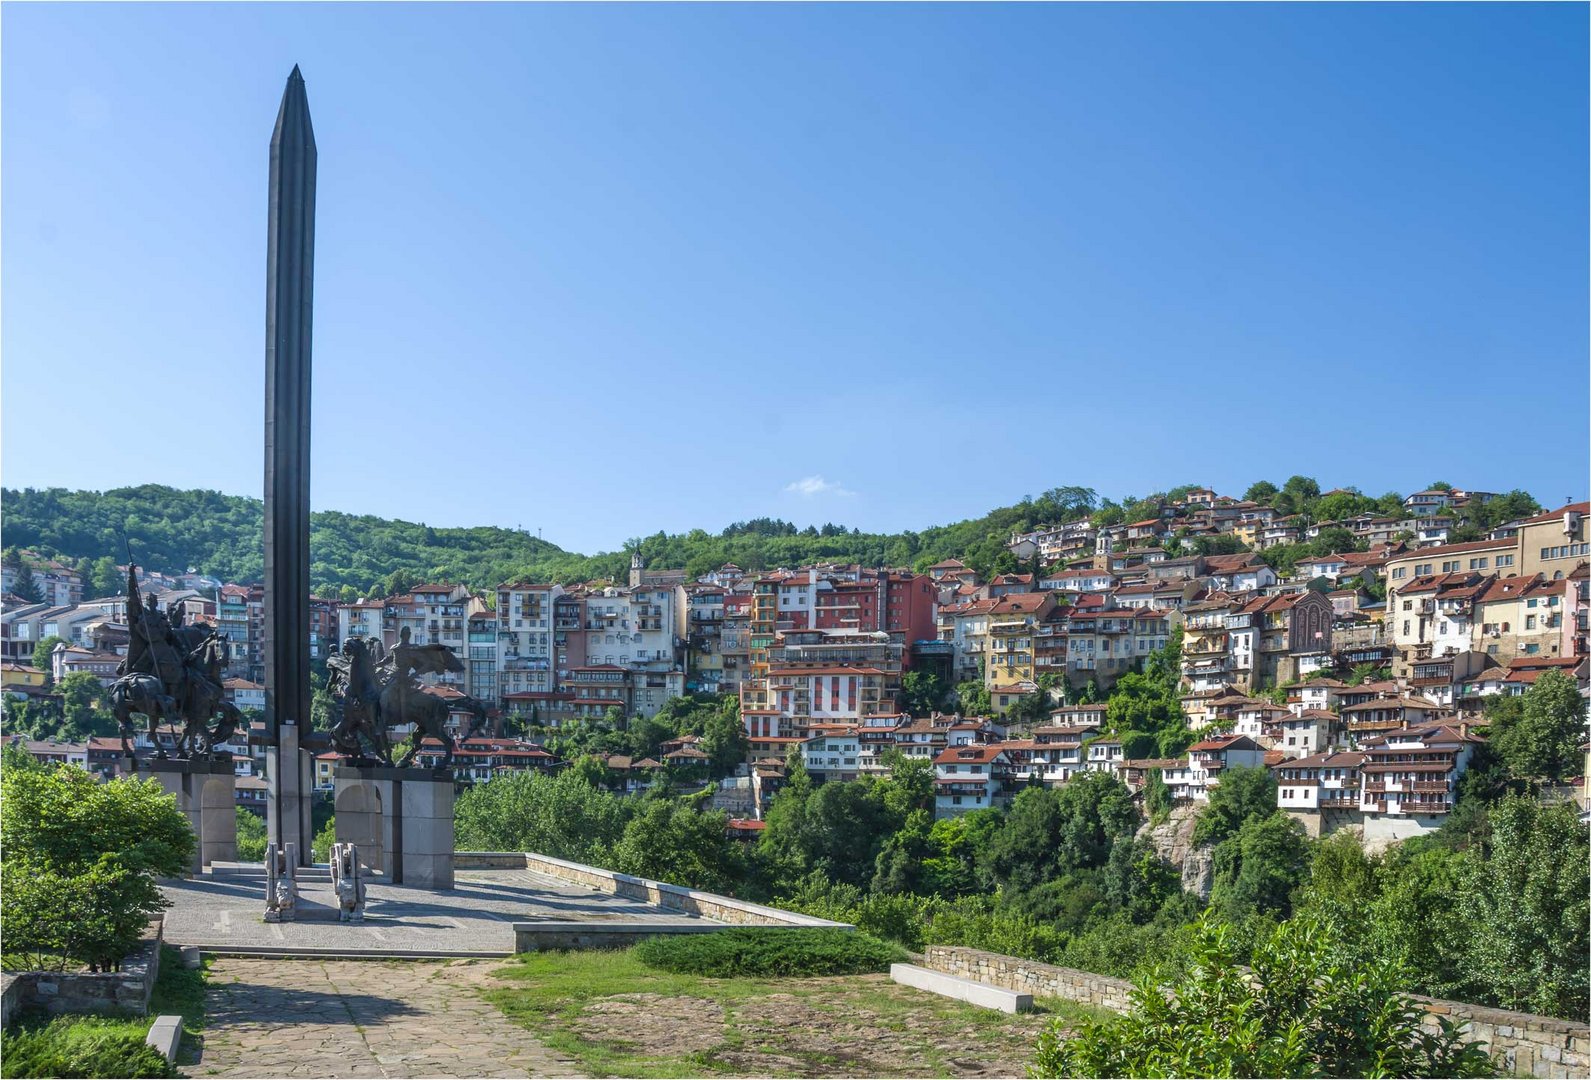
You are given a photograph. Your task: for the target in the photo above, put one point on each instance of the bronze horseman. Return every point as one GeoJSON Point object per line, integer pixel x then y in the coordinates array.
{"type": "Point", "coordinates": [376, 690]}
{"type": "Point", "coordinates": [171, 673]}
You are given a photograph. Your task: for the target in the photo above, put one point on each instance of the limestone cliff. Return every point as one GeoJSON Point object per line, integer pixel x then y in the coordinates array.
{"type": "Point", "coordinates": [1173, 841]}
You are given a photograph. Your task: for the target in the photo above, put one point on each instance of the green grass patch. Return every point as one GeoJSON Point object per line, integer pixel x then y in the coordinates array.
{"type": "Point", "coordinates": [109, 1046]}
{"type": "Point", "coordinates": [180, 991]}
{"type": "Point", "coordinates": [81, 1046]}
{"type": "Point", "coordinates": [560, 995]}
{"type": "Point", "coordinates": [762, 952]}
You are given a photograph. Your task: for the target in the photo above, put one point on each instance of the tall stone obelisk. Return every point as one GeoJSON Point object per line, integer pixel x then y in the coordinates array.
{"type": "Point", "coordinates": [289, 289]}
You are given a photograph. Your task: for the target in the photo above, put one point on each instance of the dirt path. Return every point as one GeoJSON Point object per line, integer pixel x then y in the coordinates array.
{"type": "Point", "coordinates": [304, 1018]}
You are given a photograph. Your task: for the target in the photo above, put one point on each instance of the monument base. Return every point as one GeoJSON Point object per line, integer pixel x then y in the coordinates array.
{"type": "Point", "coordinates": [401, 820]}
{"type": "Point", "coordinates": [206, 793]}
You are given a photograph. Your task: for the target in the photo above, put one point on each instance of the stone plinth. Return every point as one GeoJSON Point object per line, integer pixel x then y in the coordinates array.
{"type": "Point", "coordinates": [401, 820]}
{"type": "Point", "coordinates": [206, 793]}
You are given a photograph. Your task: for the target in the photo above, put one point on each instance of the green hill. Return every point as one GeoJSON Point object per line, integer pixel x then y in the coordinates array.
{"type": "Point", "coordinates": [221, 535]}
{"type": "Point", "coordinates": [172, 530]}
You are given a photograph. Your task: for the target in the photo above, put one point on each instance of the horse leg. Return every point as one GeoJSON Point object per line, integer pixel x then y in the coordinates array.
{"type": "Point", "coordinates": [154, 736]}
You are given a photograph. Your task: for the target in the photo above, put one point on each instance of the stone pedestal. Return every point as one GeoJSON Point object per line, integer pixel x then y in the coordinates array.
{"type": "Point", "coordinates": [401, 820]}
{"type": "Point", "coordinates": [290, 780]}
{"type": "Point", "coordinates": [205, 792]}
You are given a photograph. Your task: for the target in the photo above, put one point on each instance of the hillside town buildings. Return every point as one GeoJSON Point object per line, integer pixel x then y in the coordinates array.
{"type": "Point", "coordinates": [1353, 675]}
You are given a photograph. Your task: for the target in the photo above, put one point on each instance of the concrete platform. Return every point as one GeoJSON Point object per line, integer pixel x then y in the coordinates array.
{"type": "Point", "coordinates": [221, 914]}
{"type": "Point", "coordinates": [953, 986]}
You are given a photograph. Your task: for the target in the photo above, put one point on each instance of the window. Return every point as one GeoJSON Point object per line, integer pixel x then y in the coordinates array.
{"type": "Point", "coordinates": [1477, 564]}
{"type": "Point", "coordinates": [1505, 560]}
{"type": "Point", "coordinates": [1530, 622]}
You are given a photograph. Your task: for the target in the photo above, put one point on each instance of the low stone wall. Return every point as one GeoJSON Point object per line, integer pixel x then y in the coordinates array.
{"type": "Point", "coordinates": [488, 860]}
{"type": "Point", "coordinates": [574, 934]}
{"type": "Point", "coordinates": [671, 897]}
{"type": "Point", "coordinates": [1522, 1044]}
{"type": "Point", "coordinates": [126, 991]}
{"type": "Point", "coordinates": [11, 987]}
{"type": "Point", "coordinates": [1029, 976]}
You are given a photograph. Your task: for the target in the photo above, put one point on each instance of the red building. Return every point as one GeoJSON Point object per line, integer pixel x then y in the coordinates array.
{"type": "Point", "coordinates": [890, 600]}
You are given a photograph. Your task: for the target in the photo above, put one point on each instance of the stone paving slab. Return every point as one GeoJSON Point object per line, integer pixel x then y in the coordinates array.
{"type": "Point", "coordinates": [475, 918]}
{"type": "Point", "coordinates": [363, 1018]}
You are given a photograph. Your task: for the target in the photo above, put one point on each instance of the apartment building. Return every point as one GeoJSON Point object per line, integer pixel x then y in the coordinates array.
{"type": "Point", "coordinates": [831, 752]}
{"type": "Point", "coordinates": [1013, 623]}
{"type": "Point", "coordinates": [701, 626]}
{"type": "Point", "coordinates": [968, 778]}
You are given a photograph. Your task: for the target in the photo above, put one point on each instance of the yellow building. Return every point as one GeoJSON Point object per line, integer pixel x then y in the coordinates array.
{"type": "Point", "coordinates": [21, 676]}
{"type": "Point", "coordinates": [1008, 656]}
{"type": "Point", "coordinates": [1553, 544]}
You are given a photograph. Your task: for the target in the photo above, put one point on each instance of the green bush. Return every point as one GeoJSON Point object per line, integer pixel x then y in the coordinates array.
{"type": "Point", "coordinates": [81, 1046]}
{"type": "Point", "coordinates": [769, 951]}
{"type": "Point", "coordinates": [1305, 1008]}
{"type": "Point", "coordinates": [80, 860]}
{"type": "Point", "coordinates": [251, 836]}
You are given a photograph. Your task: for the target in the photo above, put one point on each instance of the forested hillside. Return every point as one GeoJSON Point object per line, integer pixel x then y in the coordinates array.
{"type": "Point", "coordinates": [221, 535]}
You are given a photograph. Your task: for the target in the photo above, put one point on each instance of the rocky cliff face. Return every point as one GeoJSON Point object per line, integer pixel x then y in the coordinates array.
{"type": "Point", "coordinates": [1173, 841]}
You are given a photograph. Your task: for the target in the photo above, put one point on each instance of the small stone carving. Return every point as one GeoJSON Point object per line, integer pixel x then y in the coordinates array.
{"type": "Point", "coordinates": [281, 884]}
{"type": "Point", "coordinates": [348, 883]}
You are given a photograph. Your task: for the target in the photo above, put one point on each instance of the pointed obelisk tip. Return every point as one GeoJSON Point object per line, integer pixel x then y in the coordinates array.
{"type": "Point", "coordinates": [295, 75]}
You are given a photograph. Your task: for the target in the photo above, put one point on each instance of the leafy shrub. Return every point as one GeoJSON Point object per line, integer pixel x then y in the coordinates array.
{"type": "Point", "coordinates": [80, 860]}
{"type": "Point", "coordinates": [1305, 1009]}
{"type": "Point", "coordinates": [251, 836]}
{"type": "Point", "coordinates": [761, 952]}
{"type": "Point", "coordinates": [81, 1046]}
{"type": "Point", "coordinates": [321, 843]}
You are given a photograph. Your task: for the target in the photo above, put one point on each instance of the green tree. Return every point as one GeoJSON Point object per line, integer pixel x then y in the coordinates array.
{"type": "Point", "coordinates": [80, 859]}
{"type": "Point", "coordinates": [1305, 1007]}
{"type": "Point", "coordinates": [1257, 869]}
{"type": "Point", "coordinates": [82, 708]}
{"type": "Point", "coordinates": [922, 692]}
{"type": "Point", "coordinates": [1261, 491]}
{"type": "Point", "coordinates": [251, 836]}
{"type": "Point", "coordinates": [1157, 796]}
{"type": "Point", "coordinates": [667, 841]}
{"type": "Point", "coordinates": [1525, 910]}
{"type": "Point", "coordinates": [1054, 831]}
{"type": "Point", "coordinates": [103, 579]}
{"type": "Point", "coordinates": [909, 785]}
{"type": "Point", "coordinates": [1543, 740]}
{"type": "Point", "coordinates": [951, 869]}
{"type": "Point", "coordinates": [1244, 792]}
{"type": "Point", "coordinates": [23, 584]}
{"type": "Point", "coordinates": [724, 739]}
{"type": "Point", "coordinates": [44, 650]}
{"type": "Point", "coordinates": [899, 868]}
{"type": "Point", "coordinates": [564, 816]}
{"type": "Point", "coordinates": [972, 698]}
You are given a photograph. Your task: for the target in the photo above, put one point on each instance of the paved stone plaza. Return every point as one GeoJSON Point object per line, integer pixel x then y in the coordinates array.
{"type": "Point", "coordinates": [362, 1018]}
{"type": "Point", "coordinates": [475, 919]}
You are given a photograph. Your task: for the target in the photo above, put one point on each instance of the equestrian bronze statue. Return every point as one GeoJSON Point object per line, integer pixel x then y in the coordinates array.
{"type": "Point", "coordinates": [375, 690]}
{"type": "Point", "coordinates": [171, 675]}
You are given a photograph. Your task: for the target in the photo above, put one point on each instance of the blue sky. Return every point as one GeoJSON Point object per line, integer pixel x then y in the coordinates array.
{"type": "Point", "coordinates": [606, 270]}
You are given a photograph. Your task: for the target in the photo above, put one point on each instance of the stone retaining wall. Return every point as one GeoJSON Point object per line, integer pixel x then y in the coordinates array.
{"type": "Point", "coordinates": [1521, 1043]}
{"type": "Point", "coordinates": [488, 860]}
{"type": "Point", "coordinates": [126, 991]}
{"type": "Point", "coordinates": [1029, 976]}
{"type": "Point", "coordinates": [671, 897]}
{"type": "Point", "coordinates": [536, 936]}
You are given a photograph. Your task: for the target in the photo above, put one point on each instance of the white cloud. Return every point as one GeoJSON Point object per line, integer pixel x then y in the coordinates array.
{"type": "Point", "coordinates": [809, 487]}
